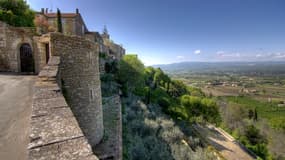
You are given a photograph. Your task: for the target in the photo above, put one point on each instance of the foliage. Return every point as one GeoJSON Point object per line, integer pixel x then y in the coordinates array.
{"type": "Point", "coordinates": [16, 13]}
{"type": "Point", "coordinates": [256, 142]}
{"type": "Point", "coordinates": [149, 134]}
{"type": "Point", "coordinates": [267, 110]}
{"type": "Point", "coordinates": [111, 66]}
{"type": "Point", "coordinates": [196, 107]}
{"type": "Point", "coordinates": [177, 88]}
{"type": "Point", "coordinates": [42, 23]}
{"type": "Point", "coordinates": [131, 75]}
{"type": "Point", "coordinates": [59, 21]}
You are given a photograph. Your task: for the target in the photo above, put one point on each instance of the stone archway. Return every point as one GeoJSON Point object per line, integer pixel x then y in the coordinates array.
{"type": "Point", "coordinates": [26, 58]}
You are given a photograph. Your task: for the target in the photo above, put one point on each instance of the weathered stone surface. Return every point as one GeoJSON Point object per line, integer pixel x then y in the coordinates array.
{"type": "Point", "coordinates": [55, 133]}
{"type": "Point", "coordinates": [79, 71]}
{"type": "Point", "coordinates": [49, 73]}
{"type": "Point", "coordinates": [11, 38]}
{"type": "Point", "coordinates": [58, 124]}
{"type": "Point", "coordinates": [44, 106]}
{"type": "Point", "coordinates": [111, 147]}
{"type": "Point", "coordinates": [73, 149]}
{"type": "Point", "coordinates": [54, 61]}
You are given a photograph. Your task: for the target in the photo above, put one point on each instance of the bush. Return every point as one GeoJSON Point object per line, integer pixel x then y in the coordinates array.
{"type": "Point", "coordinates": [16, 13]}
{"type": "Point", "coordinates": [163, 102]}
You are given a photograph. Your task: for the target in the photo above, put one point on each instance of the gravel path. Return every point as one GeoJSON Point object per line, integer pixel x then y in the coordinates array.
{"type": "Point", "coordinates": [223, 142]}
{"type": "Point", "coordinates": [15, 110]}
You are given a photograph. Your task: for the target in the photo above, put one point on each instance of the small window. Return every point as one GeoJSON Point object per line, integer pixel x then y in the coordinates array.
{"type": "Point", "coordinates": [91, 94]}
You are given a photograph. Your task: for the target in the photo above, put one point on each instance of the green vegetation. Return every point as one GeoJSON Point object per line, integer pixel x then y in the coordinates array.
{"type": "Point", "coordinates": [250, 98]}
{"type": "Point", "coordinates": [149, 99]}
{"type": "Point", "coordinates": [59, 21]}
{"type": "Point", "coordinates": [267, 110]}
{"type": "Point", "coordinates": [175, 98]}
{"type": "Point", "coordinates": [149, 95]}
{"type": "Point", "coordinates": [16, 13]}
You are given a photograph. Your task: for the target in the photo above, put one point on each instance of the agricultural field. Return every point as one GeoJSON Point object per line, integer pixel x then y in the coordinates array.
{"type": "Point", "coordinates": [250, 97]}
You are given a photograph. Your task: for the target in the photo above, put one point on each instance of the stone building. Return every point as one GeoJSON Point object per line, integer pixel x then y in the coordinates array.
{"type": "Point", "coordinates": [30, 50]}
{"type": "Point", "coordinates": [20, 49]}
{"type": "Point", "coordinates": [25, 50]}
{"type": "Point", "coordinates": [72, 23]}
{"type": "Point", "coordinates": [113, 50]}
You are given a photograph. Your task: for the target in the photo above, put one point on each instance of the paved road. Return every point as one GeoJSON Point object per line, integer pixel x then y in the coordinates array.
{"type": "Point", "coordinates": [15, 111]}
{"type": "Point", "coordinates": [223, 142]}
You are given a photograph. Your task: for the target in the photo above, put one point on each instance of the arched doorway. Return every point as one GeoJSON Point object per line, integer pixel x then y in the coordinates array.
{"type": "Point", "coordinates": [26, 58]}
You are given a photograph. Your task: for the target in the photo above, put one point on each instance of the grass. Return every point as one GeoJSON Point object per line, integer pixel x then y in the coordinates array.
{"type": "Point", "coordinates": [269, 111]}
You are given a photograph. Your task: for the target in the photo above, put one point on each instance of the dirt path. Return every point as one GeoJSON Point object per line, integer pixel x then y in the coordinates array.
{"type": "Point", "coordinates": [223, 142]}
{"type": "Point", "coordinates": [15, 110]}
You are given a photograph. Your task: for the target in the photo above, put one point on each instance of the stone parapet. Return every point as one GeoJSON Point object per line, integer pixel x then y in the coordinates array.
{"type": "Point", "coordinates": [55, 133]}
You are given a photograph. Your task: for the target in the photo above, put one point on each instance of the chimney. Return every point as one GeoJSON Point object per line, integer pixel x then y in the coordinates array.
{"type": "Point", "coordinates": [43, 10]}
{"type": "Point", "coordinates": [46, 10]}
{"type": "Point", "coordinates": [77, 11]}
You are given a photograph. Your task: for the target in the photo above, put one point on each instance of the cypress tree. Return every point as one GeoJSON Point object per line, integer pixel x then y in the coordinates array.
{"type": "Point", "coordinates": [59, 23]}
{"type": "Point", "coordinates": [255, 114]}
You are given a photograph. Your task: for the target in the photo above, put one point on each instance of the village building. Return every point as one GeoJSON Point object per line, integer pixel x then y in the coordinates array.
{"type": "Point", "coordinates": [27, 50]}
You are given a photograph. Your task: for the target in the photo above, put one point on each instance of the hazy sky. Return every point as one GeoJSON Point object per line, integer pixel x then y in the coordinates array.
{"type": "Point", "coordinates": [167, 31]}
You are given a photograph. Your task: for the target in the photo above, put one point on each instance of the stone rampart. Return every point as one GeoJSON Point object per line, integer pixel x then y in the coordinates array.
{"type": "Point", "coordinates": [55, 133]}
{"type": "Point", "coordinates": [80, 77]}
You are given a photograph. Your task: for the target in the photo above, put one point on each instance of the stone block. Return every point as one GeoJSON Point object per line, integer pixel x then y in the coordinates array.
{"type": "Point", "coordinates": [57, 125]}
{"type": "Point", "coordinates": [44, 106]}
{"type": "Point", "coordinates": [73, 149]}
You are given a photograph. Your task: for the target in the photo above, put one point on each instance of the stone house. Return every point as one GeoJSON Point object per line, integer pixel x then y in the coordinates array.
{"type": "Point", "coordinates": [27, 50]}
{"type": "Point", "coordinates": [113, 50]}
{"type": "Point", "coordinates": [72, 23]}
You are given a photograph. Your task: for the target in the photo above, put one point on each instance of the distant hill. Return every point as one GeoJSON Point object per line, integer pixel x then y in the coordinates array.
{"type": "Point", "coordinates": [247, 68]}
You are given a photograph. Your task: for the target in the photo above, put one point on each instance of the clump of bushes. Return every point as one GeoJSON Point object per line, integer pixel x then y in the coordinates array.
{"type": "Point", "coordinates": [16, 13]}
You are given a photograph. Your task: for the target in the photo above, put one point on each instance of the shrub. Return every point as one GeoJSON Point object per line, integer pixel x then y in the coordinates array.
{"type": "Point", "coordinates": [163, 102]}
{"type": "Point", "coordinates": [16, 13]}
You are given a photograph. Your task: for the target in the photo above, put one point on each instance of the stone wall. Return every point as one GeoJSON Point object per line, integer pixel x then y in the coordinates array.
{"type": "Point", "coordinates": [11, 39]}
{"type": "Point", "coordinates": [55, 133]}
{"type": "Point", "coordinates": [79, 71]}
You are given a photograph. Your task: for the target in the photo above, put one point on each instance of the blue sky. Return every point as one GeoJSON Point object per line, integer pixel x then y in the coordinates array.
{"type": "Point", "coordinates": [168, 31]}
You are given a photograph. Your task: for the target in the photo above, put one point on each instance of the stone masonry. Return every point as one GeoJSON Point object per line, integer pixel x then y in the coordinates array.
{"type": "Point", "coordinates": [55, 133]}
{"type": "Point", "coordinates": [79, 71]}
{"type": "Point", "coordinates": [10, 40]}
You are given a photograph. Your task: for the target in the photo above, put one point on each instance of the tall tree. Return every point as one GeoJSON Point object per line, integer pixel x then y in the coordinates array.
{"type": "Point", "coordinates": [59, 22]}
{"type": "Point", "coordinates": [255, 114]}
{"type": "Point", "coordinates": [16, 13]}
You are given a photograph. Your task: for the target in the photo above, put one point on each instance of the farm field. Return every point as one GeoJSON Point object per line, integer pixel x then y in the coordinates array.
{"type": "Point", "coordinates": [249, 96]}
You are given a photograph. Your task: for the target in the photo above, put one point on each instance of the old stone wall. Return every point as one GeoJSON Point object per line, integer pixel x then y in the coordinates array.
{"type": "Point", "coordinates": [11, 38]}
{"type": "Point", "coordinates": [55, 133]}
{"type": "Point", "coordinates": [79, 71]}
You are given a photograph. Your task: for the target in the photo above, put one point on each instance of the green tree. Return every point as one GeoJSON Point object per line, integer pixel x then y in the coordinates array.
{"type": "Point", "coordinates": [131, 73]}
{"type": "Point", "coordinates": [192, 105]}
{"type": "Point", "coordinates": [250, 114]}
{"type": "Point", "coordinates": [149, 76]}
{"type": "Point", "coordinates": [59, 21]}
{"type": "Point", "coordinates": [255, 114]}
{"type": "Point", "coordinates": [16, 13]}
{"type": "Point", "coordinates": [158, 76]}
{"type": "Point", "coordinates": [177, 88]}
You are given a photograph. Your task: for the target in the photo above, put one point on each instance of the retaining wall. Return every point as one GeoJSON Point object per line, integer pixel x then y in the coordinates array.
{"type": "Point", "coordinates": [55, 133]}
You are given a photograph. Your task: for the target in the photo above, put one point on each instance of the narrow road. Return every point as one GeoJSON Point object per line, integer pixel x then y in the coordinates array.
{"type": "Point", "coordinates": [223, 142]}
{"type": "Point", "coordinates": [15, 110]}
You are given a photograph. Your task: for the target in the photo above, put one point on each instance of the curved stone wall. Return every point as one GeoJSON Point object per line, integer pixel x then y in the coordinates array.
{"type": "Point", "coordinates": [55, 133]}
{"type": "Point", "coordinates": [80, 77]}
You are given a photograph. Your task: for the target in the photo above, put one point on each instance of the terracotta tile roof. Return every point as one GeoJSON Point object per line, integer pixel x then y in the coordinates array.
{"type": "Point", "coordinates": [63, 15]}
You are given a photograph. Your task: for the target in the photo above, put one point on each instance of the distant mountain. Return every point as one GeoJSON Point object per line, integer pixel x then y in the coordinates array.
{"type": "Point", "coordinates": [260, 68]}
